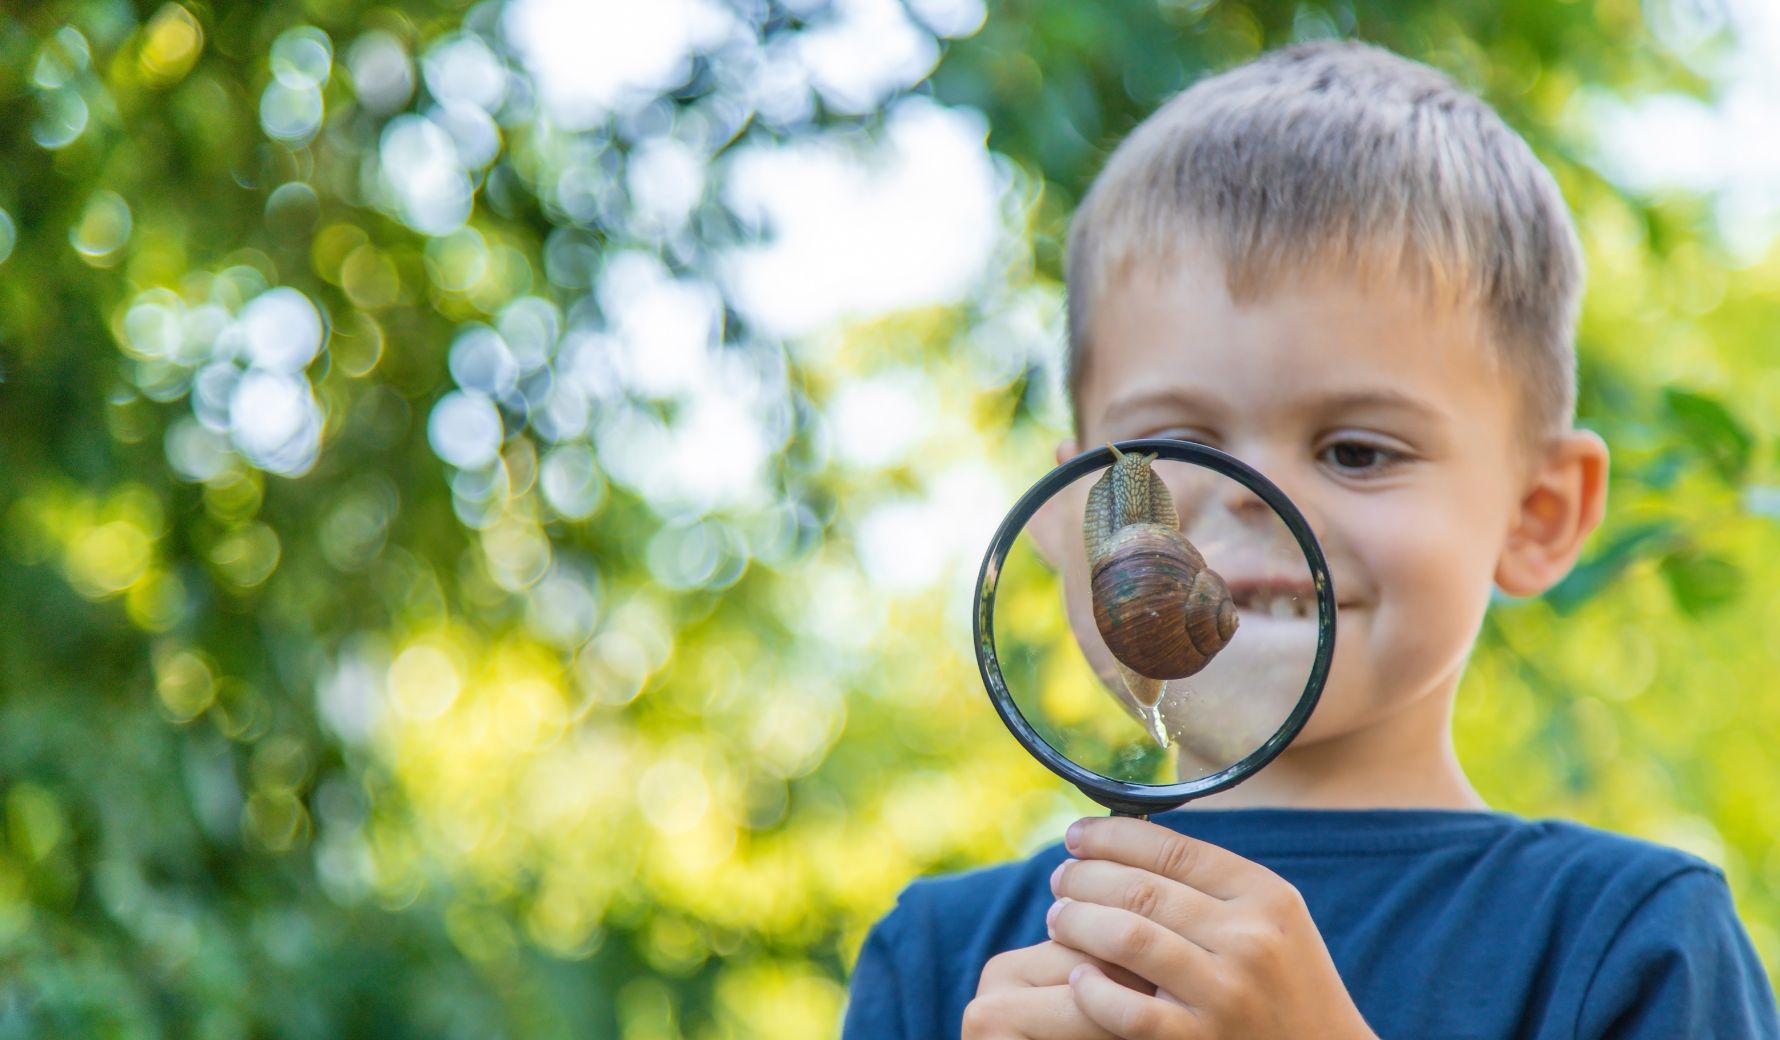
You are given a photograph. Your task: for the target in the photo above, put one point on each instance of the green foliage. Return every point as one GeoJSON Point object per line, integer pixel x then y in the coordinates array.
{"type": "Point", "coordinates": [1712, 431]}
{"type": "Point", "coordinates": [314, 722]}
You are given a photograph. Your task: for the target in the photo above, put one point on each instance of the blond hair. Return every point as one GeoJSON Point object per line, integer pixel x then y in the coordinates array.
{"type": "Point", "coordinates": [1344, 154]}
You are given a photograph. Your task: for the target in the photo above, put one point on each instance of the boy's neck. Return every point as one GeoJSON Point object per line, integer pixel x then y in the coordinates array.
{"type": "Point", "coordinates": [1403, 761]}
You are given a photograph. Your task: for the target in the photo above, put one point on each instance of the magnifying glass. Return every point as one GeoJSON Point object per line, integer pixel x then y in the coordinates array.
{"type": "Point", "coordinates": [1154, 622]}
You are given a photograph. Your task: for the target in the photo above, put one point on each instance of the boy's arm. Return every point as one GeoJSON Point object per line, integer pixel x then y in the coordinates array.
{"type": "Point", "coordinates": [1680, 966]}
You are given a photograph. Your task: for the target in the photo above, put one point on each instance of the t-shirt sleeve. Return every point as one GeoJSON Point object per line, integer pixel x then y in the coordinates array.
{"type": "Point", "coordinates": [1681, 965]}
{"type": "Point", "coordinates": [874, 996]}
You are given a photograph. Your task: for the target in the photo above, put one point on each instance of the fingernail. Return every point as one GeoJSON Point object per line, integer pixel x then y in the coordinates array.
{"type": "Point", "coordinates": [1051, 914]}
{"type": "Point", "coordinates": [1057, 875]}
{"type": "Point", "coordinates": [1073, 836]}
{"type": "Point", "coordinates": [1077, 972]}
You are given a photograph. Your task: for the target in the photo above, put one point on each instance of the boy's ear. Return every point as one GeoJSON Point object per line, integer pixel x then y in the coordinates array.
{"type": "Point", "coordinates": [1563, 502]}
{"type": "Point", "coordinates": [1045, 524]}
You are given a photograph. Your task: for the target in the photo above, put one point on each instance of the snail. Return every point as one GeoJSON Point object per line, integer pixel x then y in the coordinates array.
{"type": "Point", "coordinates": [1163, 613]}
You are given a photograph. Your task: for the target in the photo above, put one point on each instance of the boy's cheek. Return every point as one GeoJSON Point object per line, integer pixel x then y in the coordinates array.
{"type": "Point", "coordinates": [1416, 575]}
{"type": "Point", "coordinates": [1432, 595]}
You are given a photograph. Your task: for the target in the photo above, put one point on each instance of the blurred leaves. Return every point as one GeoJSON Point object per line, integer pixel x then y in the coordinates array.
{"type": "Point", "coordinates": [440, 604]}
{"type": "Point", "coordinates": [1590, 577]}
{"type": "Point", "coordinates": [1710, 429]}
{"type": "Point", "coordinates": [1701, 582]}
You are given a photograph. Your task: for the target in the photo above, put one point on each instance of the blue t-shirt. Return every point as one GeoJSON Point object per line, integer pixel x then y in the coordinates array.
{"type": "Point", "coordinates": [1442, 924]}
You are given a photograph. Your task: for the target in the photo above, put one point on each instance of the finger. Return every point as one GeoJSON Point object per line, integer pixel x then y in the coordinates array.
{"type": "Point", "coordinates": [1044, 1013]}
{"type": "Point", "coordinates": [1046, 964]}
{"type": "Point", "coordinates": [1135, 943]}
{"type": "Point", "coordinates": [1177, 907]}
{"type": "Point", "coordinates": [1152, 847]}
{"type": "Point", "coordinates": [1132, 1016]}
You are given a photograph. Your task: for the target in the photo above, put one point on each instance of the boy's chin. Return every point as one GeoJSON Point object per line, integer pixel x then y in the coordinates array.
{"type": "Point", "coordinates": [1325, 723]}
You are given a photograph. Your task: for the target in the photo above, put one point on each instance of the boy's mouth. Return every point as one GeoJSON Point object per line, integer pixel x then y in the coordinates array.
{"type": "Point", "coordinates": [1283, 599]}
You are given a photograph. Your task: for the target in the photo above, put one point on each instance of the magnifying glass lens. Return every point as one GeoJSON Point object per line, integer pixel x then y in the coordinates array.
{"type": "Point", "coordinates": [1161, 618]}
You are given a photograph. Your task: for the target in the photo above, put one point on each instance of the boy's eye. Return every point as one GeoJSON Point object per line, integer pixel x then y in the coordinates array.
{"type": "Point", "coordinates": [1359, 456]}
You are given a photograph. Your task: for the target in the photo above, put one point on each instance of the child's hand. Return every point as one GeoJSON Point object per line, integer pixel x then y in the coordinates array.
{"type": "Point", "coordinates": [1024, 995]}
{"type": "Point", "coordinates": [1228, 944]}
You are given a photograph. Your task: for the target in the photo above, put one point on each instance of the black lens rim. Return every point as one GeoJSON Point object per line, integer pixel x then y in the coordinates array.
{"type": "Point", "coordinates": [1121, 796]}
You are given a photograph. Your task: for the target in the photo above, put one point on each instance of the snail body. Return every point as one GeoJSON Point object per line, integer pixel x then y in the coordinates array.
{"type": "Point", "coordinates": [1163, 613]}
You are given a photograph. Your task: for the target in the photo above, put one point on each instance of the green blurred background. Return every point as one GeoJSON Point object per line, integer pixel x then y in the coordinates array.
{"type": "Point", "coordinates": [489, 494]}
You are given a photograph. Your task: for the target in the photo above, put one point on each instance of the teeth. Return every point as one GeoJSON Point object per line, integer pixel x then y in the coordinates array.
{"type": "Point", "coordinates": [1282, 607]}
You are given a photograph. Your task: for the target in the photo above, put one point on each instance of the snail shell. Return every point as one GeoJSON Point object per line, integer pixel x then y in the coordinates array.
{"type": "Point", "coordinates": [1163, 613]}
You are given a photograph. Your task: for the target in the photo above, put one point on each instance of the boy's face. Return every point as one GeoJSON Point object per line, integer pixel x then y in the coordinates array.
{"type": "Point", "coordinates": [1384, 417]}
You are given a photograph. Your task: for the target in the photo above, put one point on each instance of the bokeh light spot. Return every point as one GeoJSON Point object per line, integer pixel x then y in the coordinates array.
{"type": "Point", "coordinates": [465, 430]}
{"type": "Point", "coordinates": [103, 229]}
{"type": "Point", "coordinates": [283, 330]}
{"type": "Point", "coordinates": [457, 261]}
{"type": "Point", "coordinates": [185, 681]}
{"type": "Point", "coordinates": [276, 819]}
{"type": "Point", "coordinates": [517, 552]}
{"type": "Point", "coordinates": [275, 422]}
{"type": "Point", "coordinates": [302, 56]}
{"type": "Point", "coordinates": [571, 482]}
{"type": "Point", "coordinates": [480, 361]}
{"type": "Point", "coordinates": [430, 190]}
{"type": "Point", "coordinates": [461, 69]}
{"type": "Point", "coordinates": [248, 555]}
{"type": "Point", "coordinates": [170, 45]}
{"type": "Point", "coordinates": [370, 278]}
{"type": "Point", "coordinates": [382, 72]}
{"type": "Point", "coordinates": [106, 559]}
{"type": "Point", "coordinates": [563, 608]}
{"type": "Point", "coordinates": [62, 118]}
{"type": "Point", "coordinates": [157, 602]}
{"type": "Point", "coordinates": [291, 114]}
{"type": "Point", "coordinates": [423, 682]}
{"type": "Point", "coordinates": [292, 209]}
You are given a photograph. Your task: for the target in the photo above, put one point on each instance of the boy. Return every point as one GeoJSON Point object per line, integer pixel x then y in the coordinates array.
{"type": "Point", "coordinates": [1337, 266]}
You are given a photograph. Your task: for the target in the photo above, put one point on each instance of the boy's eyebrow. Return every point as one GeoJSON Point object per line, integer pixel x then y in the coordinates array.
{"type": "Point", "coordinates": [1183, 397]}
{"type": "Point", "coordinates": [1374, 397]}
{"type": "Point", "coordinates": [1339, 400]}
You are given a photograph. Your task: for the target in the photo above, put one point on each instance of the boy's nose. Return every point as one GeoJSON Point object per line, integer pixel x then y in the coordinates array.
{"type": "Point", "coordinates": [1250, 510]}
{"type": "Point", "coordinates": [1244, 504]}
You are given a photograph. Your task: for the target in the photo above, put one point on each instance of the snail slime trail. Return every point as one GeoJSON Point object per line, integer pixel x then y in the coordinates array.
{"type": "Point", "coordinates": [1163, 613]}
